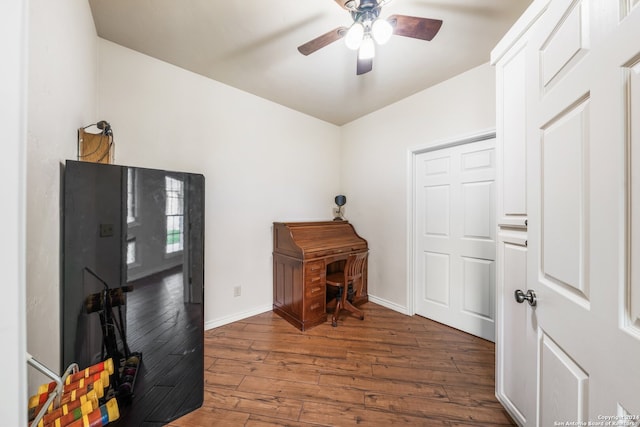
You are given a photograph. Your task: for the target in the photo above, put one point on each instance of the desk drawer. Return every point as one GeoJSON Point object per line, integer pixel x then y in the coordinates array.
{"type": "Point", "coordinates": [315, 307]}
{"type": "Point", "coordinates": [315, 280]}
{"type": "Point", "coordinates": [314, 268]}
{"type": "Point", "coordinates": [315, 289]}
{"type": "Point", "coordinates": [315, 276]}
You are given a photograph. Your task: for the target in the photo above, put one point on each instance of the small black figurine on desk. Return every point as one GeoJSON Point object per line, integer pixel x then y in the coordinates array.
{"type": "Point", "coordinates": [340, 201]}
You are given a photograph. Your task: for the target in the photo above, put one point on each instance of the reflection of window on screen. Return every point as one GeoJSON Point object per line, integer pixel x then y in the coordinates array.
{"type": "Point", "coordinates": [131, 195]}
{"type": "Point", "coordinates": [175, 215]}
{"type": "Point", "coordinates": [131, 251]}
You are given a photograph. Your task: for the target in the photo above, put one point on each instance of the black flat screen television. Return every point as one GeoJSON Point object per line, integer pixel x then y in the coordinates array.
{"type": "Point", "coordinates": [133, 285]}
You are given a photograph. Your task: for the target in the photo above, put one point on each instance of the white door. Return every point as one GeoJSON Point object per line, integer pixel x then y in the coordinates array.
{"type": "Point", "coordinates": [516, 333]}
{"type": "Point", "coordinates": [584, 213]}
{"type": "Point", "coordinates": [455, 237]}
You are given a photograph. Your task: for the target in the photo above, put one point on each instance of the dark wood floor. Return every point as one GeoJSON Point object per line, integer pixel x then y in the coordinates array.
{"type": "Point", "coordinates": [389, 369]}
{"type": "Point", "coordinates": [168, 333]}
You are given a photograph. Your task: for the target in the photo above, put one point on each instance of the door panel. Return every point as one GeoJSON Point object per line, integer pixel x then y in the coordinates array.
{"type": "Point", "coordinates": [564, 386]}
{"type": "Point", "coordinates": [632, 286]}
{"type": "Point", "coordinates": [564, 144]}
{"type": "Point", "coordinates": [478, 210]}
{"type": "Point", "coordinates": [436, 279]}
{"type": "Point", "coordinates": [512, 154]}
{"type": "Point", "coordinates": [566, 45]}
{"type": "Point", "coordinates": [516, 338]}
{"type": "Point", "coordinates": [455, 242]}
{"type": "Point", "coordinates": [478, 287]}
{"type": "Point", "coordinates": [436, 219]}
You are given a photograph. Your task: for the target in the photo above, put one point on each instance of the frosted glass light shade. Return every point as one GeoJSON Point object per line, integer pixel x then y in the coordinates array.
{"type": "Point", "coordinates": [354, 35]}
{"type": "Point", "coordinates": [367, 49]}
{"type": "Point", "coordinates": [381, 31]}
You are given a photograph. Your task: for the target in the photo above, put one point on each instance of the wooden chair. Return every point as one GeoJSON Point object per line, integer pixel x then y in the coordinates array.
{"type": "Point", "coordinates": [349, 283]}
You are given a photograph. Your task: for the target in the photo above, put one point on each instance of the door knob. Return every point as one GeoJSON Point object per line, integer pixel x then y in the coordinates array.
{"type": "Point", "coordinates": [530, 297]}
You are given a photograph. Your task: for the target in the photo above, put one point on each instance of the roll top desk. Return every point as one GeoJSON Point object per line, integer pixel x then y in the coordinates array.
{"type": "Point", "coordinates": [303, 253]}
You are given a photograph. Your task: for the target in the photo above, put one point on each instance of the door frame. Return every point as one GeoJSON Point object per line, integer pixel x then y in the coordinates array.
{"type": "Point", "coordinates": [412, 153]}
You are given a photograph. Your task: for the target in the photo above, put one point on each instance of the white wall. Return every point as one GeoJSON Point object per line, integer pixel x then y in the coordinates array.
{"type": "Point", "coordinates": [262, 163]}
{"type": "Point", "coordinates": [13, 84]}
{"type": "Point", "coordinates": [374, 167]}
{"type": "Point", "coordinates": [62, 88]}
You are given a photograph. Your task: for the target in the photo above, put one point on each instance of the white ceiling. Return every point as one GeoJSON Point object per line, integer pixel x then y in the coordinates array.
{"type": "Point", "coordinates": [251, 45]}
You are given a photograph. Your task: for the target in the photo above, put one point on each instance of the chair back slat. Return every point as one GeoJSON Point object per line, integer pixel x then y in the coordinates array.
{"type": "Point", "coordinates": [354, 267]}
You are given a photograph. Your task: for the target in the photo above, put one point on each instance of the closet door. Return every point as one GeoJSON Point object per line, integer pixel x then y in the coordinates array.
{"type": "Point", "coordinates": [511, 107]}
{"type": "Point", "coordinates": [583, 219]}
{"type": "Point", "coordinates": [455, 243]}
{"type": "Point", "coordinates": [515, 322]}
{"type": "Point", "coordinates": [515, 332]}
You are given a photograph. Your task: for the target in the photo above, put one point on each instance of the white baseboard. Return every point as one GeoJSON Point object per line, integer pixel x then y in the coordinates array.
{"type": "Point", "coordinates": [390, 305]}
{"type": "Point", "coordinates": [235, 317]}
{"type": "Point", "coordinates": [259, 310]}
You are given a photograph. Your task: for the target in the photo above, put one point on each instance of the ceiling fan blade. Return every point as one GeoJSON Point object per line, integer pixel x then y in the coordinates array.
{"type": "Point", "coordinates": [414, 27]}
{"type": "Point", "coordinates": [364, 66]}
{"type": "Point", "coordinates": [322, 41]}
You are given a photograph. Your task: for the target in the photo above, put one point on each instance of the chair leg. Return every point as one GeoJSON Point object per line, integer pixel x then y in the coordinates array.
{"type": "Point", "coordinates": [343, 303]}
{"type": "Point", "coordinates": [349, 306]}
{"type": "Point", "coordinates": [334, 318]}
{"type": "Point", "coordinates": [339, 306]}
{"type": "Point", "coordinates": [353, 309]}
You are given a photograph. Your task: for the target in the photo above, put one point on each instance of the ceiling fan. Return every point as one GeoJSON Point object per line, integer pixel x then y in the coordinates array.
{"type": "Point", "coordinates": [368, 29]}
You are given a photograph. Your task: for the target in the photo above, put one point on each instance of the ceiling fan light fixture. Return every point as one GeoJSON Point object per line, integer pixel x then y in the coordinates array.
{"type": "Point", "coordinates": [351, 4]}
{"type": "Point", "coordinates": [354, 36]}
{"type": "Point", "coordinates": [367, 30]}
{"type": "Point", "coordinates": [381, 30]}
{"type": "Point", "coordinates": [367, 48]}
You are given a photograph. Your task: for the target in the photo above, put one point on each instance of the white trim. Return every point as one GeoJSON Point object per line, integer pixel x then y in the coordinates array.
{"type": "Point", "coordinates": [388, 304]}
{"type": "Point", "coordinates": [13, 122]}
{"type": "Point", "coordinates": [211, 324]}
{"type": "Point", "coordinates": [521, 26]}
{"type": "Point", "coordinates": [235, 317]}
{"type": "Point", "coordinates": [412, 152]}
